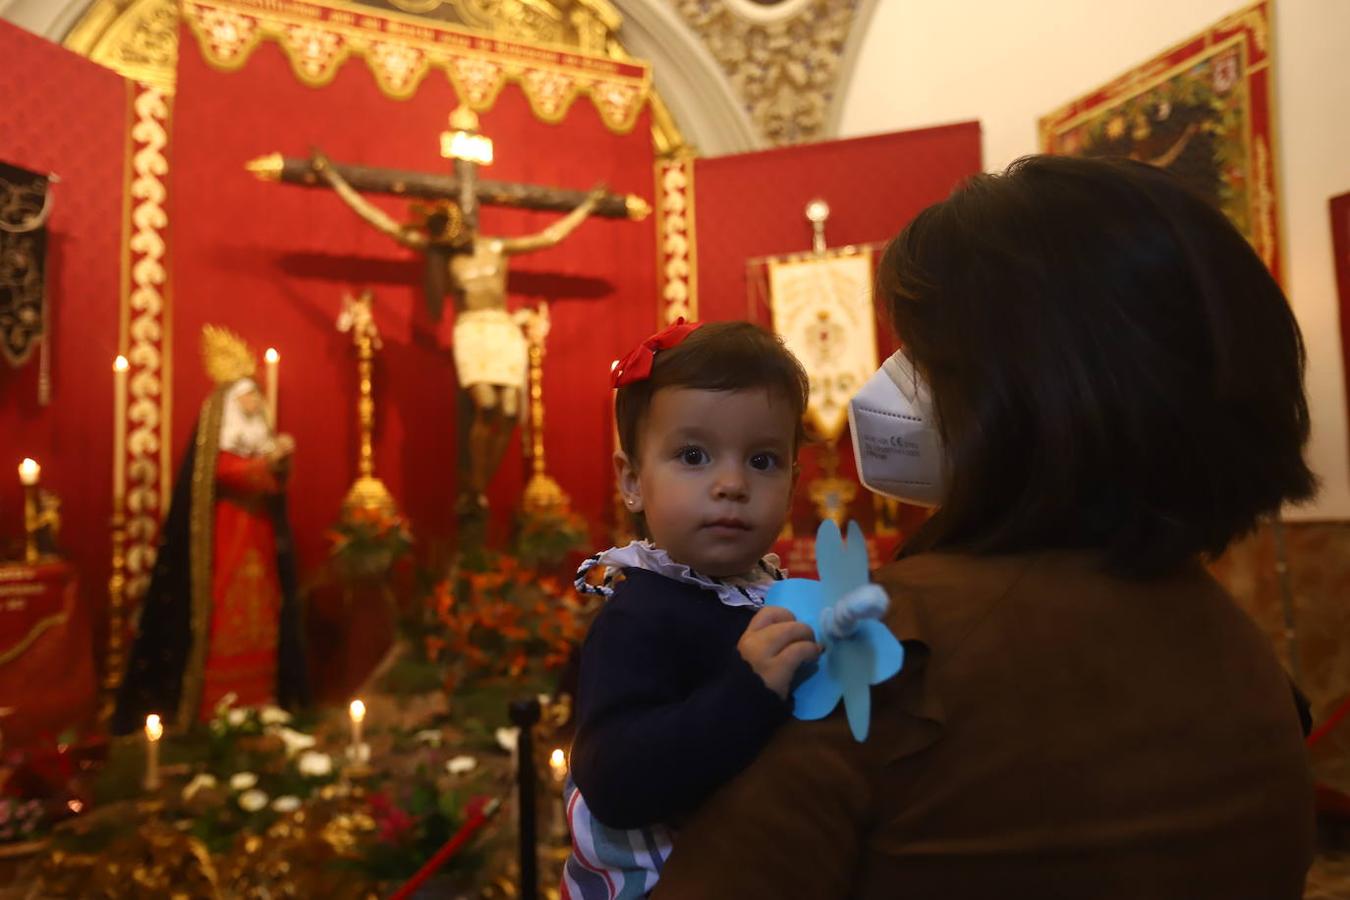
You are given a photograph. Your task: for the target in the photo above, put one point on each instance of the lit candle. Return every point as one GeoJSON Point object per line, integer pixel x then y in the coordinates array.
{"type": "Point", "coordinates": [119, 429]}
{"type": "Point", "coordinates": [358, 711]}
{"type": "Point", "coordinates": [29, 471]}
{"type": "Point", "coordinates": [557, 764]}
{"type": "Point", "coordinates": [272, 358]}
{"type": "Point", "coordinates": [154, 730]}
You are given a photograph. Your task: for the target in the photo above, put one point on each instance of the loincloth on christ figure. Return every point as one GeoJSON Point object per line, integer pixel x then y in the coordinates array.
{"type": "Point", "coordinates": [490, 349]}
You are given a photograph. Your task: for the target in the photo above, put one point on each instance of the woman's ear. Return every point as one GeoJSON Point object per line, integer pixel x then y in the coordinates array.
{"type": "Point", "coordinates": [626, 476]}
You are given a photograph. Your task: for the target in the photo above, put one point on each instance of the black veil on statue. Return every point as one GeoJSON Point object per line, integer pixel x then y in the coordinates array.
{"type": "Point", "coordinates": [162, 655]}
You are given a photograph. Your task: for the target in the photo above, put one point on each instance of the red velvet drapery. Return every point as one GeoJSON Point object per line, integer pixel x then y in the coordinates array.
{"type": "Point", "coordinates": [64, 114]}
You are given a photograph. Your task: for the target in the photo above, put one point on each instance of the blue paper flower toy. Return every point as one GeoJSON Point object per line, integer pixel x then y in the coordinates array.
{"type": "Point", "coordinates": [844, 608]}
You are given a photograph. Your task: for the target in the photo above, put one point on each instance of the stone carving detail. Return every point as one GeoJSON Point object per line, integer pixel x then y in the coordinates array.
{"type": "Point", "coordinates": [784, 70]}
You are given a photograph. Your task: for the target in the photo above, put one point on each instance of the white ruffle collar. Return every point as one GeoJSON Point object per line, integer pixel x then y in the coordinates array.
{"type": "Point", "coordinates": [740, 590]}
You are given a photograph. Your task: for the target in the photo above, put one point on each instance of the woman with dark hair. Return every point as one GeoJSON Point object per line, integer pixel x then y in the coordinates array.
{"type": "Point", "coordinates": [1100, 388]}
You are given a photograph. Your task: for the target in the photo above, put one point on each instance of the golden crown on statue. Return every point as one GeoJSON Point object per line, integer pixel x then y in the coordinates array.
{"type": "Point", "coordinates": [225, 355]}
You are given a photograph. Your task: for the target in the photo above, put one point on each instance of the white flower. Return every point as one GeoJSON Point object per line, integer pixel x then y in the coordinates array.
{"type": "Point", "coordinates": [200, 783]}
{"type": "Point", "coordinates": [287, 804]}
{"type": "Point", "coordinates": [431, 736]}
{"type": "Point", "coordinates": [313, 764]}
{"type": "Point", "coordinates": [224, 703]}
{"type": "Point", "coordinates": [461, 764]}
{"type": "Point", "coordinates": [252, 801]}
{"type": "Point", "coordinates": [237, 717]}
{"type": "Point", "coordinates": [274, 715]}
{"type": "Point", "coordinates": [242, 781]}
{"type": "Point", "coordinates": [507, 738]}
{"type": "Point", "coordinates": [295, 741]}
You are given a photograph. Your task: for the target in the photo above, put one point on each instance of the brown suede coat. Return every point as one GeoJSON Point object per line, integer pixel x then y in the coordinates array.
{"type": "Point", "coordinates": [1055, 732]}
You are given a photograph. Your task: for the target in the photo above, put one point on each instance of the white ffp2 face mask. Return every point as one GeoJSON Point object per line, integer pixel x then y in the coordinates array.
{"type": "Point", "coordinates": [895, 438]}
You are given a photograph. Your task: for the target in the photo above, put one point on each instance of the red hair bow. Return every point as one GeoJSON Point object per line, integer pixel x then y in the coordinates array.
{"type": "Point", "coordinates": [637, 365]}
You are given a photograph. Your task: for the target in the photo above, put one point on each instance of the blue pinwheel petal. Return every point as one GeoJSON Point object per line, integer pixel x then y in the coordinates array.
{"type": "Point", "coordinates": [830, 560]}
{"type": "Point", "coordinates": [887, 654]}
{"type": "Point", "coordinates": [817, 696]}
{"type": "Point", "coordinates": [855, 560]}
{"type": "Point", "coordinates": [801, 597]}
{"type": "Point", "coordinates": [858, 709]}
{"type": "Point", "coordinates": [851, 661]}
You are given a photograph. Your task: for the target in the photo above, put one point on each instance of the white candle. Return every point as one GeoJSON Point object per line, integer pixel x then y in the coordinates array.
{"type": "Point", "coordinates": [358, 712]}
{"type": "Point", "coordinates": [273, 359]}
{"type": "Point", "coordinates": [557, 764]}
{"type": "Point", "coordinates": [154, 730]}
{"type": "Point", "coordinates": [29, 471]}
{"type": "Point", "coordinates": [119, 429]}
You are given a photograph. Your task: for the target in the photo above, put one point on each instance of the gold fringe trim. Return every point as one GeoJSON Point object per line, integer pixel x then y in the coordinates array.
{"type": "Point", "coordinates": [201, 551]}
{"type": "Point", "coordinates": [318, 37]}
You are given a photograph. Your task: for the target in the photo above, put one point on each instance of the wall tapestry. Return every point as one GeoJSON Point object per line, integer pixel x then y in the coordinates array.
{"type": "Point", "coordinates": [1203, 110]}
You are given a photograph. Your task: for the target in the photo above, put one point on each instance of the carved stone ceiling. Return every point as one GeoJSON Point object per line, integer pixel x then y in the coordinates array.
{"type": "Point", "coordinates": [785, 58]}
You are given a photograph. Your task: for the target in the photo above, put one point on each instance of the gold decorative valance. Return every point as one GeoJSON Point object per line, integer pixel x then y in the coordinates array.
{"type": "Point", "coordinates": [319, 37]}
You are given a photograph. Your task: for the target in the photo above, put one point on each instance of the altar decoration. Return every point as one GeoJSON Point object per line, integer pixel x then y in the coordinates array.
{"type": "Point", "coordinates": [305, 250]}
{"type": "Point", "coordinates": [259, 804]}
{"type": "Point", "coordinates": [47, 677]}
{"type": "Point", "coordinates": [25, 205]}
{"type": "Point", "coordinates": [822, 308]}
{"type": "Point", "coordinates": [367, 541]}
{"type": "Point", "coordinates": [1204, 110]}
{"type": "Point", "coordinates": [318, 37]}
{"type": "Point", "coordinates": [505, 623]}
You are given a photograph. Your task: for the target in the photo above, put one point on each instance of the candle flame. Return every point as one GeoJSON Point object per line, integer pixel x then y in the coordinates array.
{"type": "Point", "coordinates": [358, 710]}
{"type": "Point", "coordinates": [154, 730]}
{"type": "Point", "coordinates": [120, 364]}
{"type": "Point", "coordinates": [272, 356]}
{"type": "Point", "coordinates": [558, 759]}
{"type": "Point", "coordinates": [29, 471]}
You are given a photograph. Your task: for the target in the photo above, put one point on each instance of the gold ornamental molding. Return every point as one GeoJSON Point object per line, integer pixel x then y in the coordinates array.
{"type": "Point", "coordinates": [145, 333]}
{"type": "Point", "coordinates": [400, 50]}
{"type": "Point", "coordinates": [784, 62]}
{"type": "Point", "coordinates": [675, 239]}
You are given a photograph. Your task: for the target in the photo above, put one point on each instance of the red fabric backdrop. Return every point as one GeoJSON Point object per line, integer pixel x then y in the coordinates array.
{"type": "Point", "coordinates": [752, 205]}
{"type": "Point", "coordinates": [273, 261]}
{"type": "Point", "coordinates": [66, 115]}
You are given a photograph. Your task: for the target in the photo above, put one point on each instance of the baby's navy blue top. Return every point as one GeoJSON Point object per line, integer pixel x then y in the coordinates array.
{"type": "Point", "coordinates": [667, 710]}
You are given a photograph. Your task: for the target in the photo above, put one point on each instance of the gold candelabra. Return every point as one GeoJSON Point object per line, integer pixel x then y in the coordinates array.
{"type": "Point", "coordinates": [367, 492]}
{"type": "Point", "coordinates": [115, 660]}
{"type": "Point", "coordinates": [542, 493]}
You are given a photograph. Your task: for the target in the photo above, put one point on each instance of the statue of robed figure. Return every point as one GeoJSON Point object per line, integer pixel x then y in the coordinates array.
{"type": "Point", "coordinates": [220, 616]}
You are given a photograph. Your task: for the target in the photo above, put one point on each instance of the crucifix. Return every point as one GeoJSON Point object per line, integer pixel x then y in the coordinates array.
{"type": "Point", "coordinates": [490, 350]}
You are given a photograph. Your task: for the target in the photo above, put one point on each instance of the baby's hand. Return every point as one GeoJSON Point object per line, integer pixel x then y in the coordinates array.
{"type": "Point", "coordinates": [775, 644]}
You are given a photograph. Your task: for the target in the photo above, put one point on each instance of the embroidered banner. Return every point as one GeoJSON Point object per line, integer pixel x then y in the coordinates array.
{"type": "Point", "coordinates": [318, 38]}
{"type": "Point", "coordinates": [24, 207]}
{"type": "Point", "coordinates": [822, 308]}
{"type": "Point", "coordinates": [1203, 110]}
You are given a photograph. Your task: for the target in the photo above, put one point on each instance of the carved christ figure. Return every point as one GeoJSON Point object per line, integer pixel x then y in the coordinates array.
{"type": "Point", "coordinates": [491, 354]}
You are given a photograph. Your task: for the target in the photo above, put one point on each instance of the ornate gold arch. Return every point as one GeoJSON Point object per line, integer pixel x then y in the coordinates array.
{"type": "Point", "coordinates": [139, 38]}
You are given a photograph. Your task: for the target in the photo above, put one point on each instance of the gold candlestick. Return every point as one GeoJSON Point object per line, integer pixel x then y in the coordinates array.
{"type": "Point", "coordinates": [367, 492]}
{"type": "Point", "coordinates": [542, 493]}
{"type": "Point", "coordinates": [273, 360]}
{"type": "Point", "coordinates": [29, 473]}
{"type": "Point", "coordinates": [117, 579]}
{"type": "Point", "coordinates": [154, 730]}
